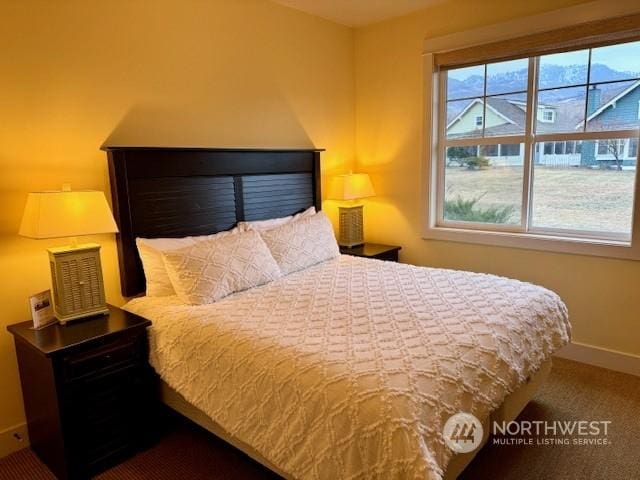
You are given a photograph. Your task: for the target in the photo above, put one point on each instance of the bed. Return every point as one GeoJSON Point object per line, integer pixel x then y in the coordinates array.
{"type": "Point", "coordinates": [347, 369]}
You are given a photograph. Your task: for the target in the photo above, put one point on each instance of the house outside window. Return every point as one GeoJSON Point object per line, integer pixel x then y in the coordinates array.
{"type": "Point", "coordinates": [571, 172]}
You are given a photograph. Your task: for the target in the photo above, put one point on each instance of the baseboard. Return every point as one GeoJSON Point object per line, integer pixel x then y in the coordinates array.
{"type": "Point", "coordinates": [13, 439]}
{"type": "Point", "coordinates": [601, 357]}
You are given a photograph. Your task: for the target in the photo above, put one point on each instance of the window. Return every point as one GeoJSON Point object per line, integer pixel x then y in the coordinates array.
{"type": "Point", "coordinates": [510, 150]}
{"type": "Point", "coordinates": [489, 150]}
{"type": "Point", "coordinates": [570, 147]}
{"type": "Point", "coordinates": [602, 148]}
{"type": "Point", "coordinates": [563, 172]}
{"type": "Point", "coordinates": [611, 148]}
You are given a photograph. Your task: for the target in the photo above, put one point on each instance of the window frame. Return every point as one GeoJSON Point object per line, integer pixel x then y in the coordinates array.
{"type": "Point", "coordinates": [529, 139]}
{"type": "Point", "coordinates": [557, 240]}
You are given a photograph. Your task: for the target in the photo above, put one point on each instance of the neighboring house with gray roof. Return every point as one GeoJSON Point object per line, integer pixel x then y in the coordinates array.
{"type": "Point", "coordinates": [617, 108]}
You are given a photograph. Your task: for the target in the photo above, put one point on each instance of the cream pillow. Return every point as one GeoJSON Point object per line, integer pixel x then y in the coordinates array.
{"type": "Point", "coordinates": [262, 225]}
{"type": "Point", "coordinates": [209, 270]}
{"type": "Point", "coordinates": [300, 244]}
{"type": "Point", "coordinates": [150, 251]}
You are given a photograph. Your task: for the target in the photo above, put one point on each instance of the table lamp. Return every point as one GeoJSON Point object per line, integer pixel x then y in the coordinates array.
{"type": "Point", "coordinates": [351, 187]}
{"type": "Point", "coordinates": [76, 271]}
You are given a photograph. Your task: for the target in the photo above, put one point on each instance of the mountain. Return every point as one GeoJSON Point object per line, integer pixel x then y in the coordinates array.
{"type": "Point", "coordinates": [549, 76]}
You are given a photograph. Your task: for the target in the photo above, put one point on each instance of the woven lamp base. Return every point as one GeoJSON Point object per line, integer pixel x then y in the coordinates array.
{"type": "Point", "coordinates": [78, 288]}
{"type": "Point", "coordinates": [351, 226]}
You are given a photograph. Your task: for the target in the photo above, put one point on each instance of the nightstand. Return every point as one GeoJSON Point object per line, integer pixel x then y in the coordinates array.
{"type": "Point", "coordinates": [373, 250]}
{"type": "Point", "coordinates": [89, 392]}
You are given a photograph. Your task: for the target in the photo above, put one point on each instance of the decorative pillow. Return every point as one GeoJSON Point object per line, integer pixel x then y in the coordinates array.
{"type": "Point", "coordinates": [150, 251]}
{"type": "Point", "coordinates": [263, 225]}
{"type": "Point", "coordinates": [212, 269]}
{"type": "Point", "coordinates": [300, 244]}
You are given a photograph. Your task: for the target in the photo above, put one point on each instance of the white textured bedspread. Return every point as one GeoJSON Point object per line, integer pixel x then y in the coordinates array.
{"type": "Point", "coordinates": [349, 369]}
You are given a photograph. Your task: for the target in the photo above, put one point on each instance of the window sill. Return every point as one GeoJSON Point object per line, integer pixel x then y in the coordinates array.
{"type": "Point", "coordinates": [533, 241]}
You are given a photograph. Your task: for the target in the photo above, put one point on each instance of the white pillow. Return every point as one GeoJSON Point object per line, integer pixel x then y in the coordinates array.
{"type": "Point", "coordinates": [209, 270]}
{"type": "Point", "coordinates": [263, 225]}
{"type": "Point", "coordinates": [150, 251]}
{"type": "Point", "coordinates": [300, 244]}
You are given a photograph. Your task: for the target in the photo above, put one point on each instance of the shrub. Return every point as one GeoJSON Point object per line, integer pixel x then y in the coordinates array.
{"type": "Point", "coordinates": [474, 163]}
{"type": "Point", "coordinates": [457, 155]}
{"type": "Point", "coordinates": [467, 211]}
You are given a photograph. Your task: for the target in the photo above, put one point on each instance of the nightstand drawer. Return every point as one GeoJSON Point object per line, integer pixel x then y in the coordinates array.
{"type": "Point", "coordinates": [95, 361]}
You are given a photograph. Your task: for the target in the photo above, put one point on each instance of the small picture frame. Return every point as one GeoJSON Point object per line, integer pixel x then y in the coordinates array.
{"type": "Point", "coordinates": [42, 309]}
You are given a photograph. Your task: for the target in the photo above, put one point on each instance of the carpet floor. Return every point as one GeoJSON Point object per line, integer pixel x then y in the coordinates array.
{"type": "Point", "coordinates": [574, 391]}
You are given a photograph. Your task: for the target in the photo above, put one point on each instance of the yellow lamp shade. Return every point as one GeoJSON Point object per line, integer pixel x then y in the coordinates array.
{"type": "Point", "coordinates": [351, 186]}
{"type": "Point", "coordinates": [57, 214]}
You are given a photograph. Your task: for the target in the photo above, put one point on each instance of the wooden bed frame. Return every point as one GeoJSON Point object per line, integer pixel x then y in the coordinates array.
{"type": "Point", "coordinates": [176, 192]}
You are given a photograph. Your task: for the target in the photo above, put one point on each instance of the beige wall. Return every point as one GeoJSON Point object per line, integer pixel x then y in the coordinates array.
{"type": "Point", "coordinates": [602, 294]}
{"type": "Point", "coordinates": [77, 74]}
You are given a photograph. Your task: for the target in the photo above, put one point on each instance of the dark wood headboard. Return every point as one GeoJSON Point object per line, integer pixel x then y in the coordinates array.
{"type": "Point", "coordinates": [176, 192]}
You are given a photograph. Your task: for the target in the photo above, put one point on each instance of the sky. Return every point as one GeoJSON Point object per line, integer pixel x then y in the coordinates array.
{"type": "Point", "coordinates": [623, 58]}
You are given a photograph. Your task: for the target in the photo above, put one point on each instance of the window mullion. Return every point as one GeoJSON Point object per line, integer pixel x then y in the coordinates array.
{"type": "Point", "coordinates": [441, 146]}
{"type": "Point", "coordinates": [484, 102]}
{"type": "Point", "coordinates": [464, 141]}
{"type": "Point", "coordinates": [529, 144]}
{"type": "Point", "coordinates": [586, 98]}
{"type": "Point", "coordinates": [595, 135]}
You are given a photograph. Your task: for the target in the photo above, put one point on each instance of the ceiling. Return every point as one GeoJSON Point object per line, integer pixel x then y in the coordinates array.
{"type": "Point", "coordinates": [357, 13]}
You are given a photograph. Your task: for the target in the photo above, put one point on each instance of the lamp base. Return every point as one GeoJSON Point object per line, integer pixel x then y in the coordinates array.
{"type": "Point", "coordinates": [351, 226]}
{"type": "Point", "coordinates": [78, 287]}
{"type": "Point", "coordinates": [80, 316]}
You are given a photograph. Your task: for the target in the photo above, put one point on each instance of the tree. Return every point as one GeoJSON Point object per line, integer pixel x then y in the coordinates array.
{"type": "Point", "coordinates": [616, 148]}
{"type": "Point", "coordinates": [477, 163]}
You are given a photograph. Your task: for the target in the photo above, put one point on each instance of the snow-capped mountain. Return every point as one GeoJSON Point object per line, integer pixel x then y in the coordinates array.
{"type": "Point", "coordinates": [550, 76]}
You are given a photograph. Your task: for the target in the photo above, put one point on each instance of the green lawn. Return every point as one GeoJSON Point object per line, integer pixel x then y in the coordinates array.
{"type": "Point", "coordinates": [574, 198]}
